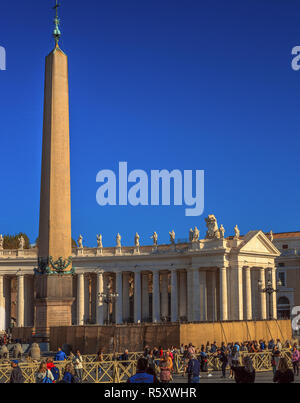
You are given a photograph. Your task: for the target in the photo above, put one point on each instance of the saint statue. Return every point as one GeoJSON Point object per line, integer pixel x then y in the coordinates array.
{"type": "Point", "coordinates": [155, 238]}
{"type": "Point", "coordinates": [137, 240]}
{"type": "Point", "coordinates": [196, 235]}
{"type": "Point", "coordinates": [118, 240]}
{"type": "Point", "coordinates": [236, 232]}
{"type": "Point", "coordinates": [21, 243]}
{"type": "Point", "coordinates": [172, 237]}
{"type": "Point", "coordinates": [79, 241]}
{"type": "Point", "coordinates": [1, 241]}
{"type": "Point", "coordinates": [99, 241]}
{"type": "Point", "coordinates": [222, 231]}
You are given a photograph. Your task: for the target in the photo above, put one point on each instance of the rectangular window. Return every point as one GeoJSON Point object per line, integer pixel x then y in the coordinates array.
{"type": "Point", "coordinates": [285, 246]}
{"type": "Point", "coordinates": [281, 277]}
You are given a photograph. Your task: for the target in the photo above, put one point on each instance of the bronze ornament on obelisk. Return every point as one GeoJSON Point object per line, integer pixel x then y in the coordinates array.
{"type": "Point", "coordinates": [53, 277]}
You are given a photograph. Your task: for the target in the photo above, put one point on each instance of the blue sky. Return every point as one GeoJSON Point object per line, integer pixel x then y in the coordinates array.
{"type": "Point", "coordinates": [161, 84]}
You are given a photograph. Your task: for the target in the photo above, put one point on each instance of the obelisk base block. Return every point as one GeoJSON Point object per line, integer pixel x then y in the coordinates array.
{"type": "Point", "coordinates": [54, 299]}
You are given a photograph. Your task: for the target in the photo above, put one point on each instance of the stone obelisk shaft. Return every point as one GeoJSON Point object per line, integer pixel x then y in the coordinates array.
{"type": "Point", "coordinates": [53, 288]}
{"type": "Point", "coordinates": [55, 202]}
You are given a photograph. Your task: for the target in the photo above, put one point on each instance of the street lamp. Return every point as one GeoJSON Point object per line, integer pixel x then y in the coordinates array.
{"type": "Point", "coordinates": [269, 290]}
{"type": "Point", "coordinates": [108, 297]}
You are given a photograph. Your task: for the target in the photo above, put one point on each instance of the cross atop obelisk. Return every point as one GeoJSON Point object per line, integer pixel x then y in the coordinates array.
{"type": "Point", "coordinates": [54, 292]}
{"type": "Point", "coordinates": [56, 32]}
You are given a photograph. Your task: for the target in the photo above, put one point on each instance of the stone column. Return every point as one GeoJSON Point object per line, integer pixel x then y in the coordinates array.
{"type": "Point", "coordinates": [99, 300]}
{"type": "Point", "coordinates": [119, 299]}
{"type": "Point", "coordinates": [190, 289]}
{"type": "Point", "coordinates": [20, 301]}
{"type": "Point", "coordinates": [214, 296]}
{"type": "Point", "coordinates": [174, 296]}
{"type": "Point", "coordinates": [182, 295]}
{"type": "Point", "coordinates": [223, 294]}
{"type": "Point", "coordinates": [263, 299]}
{"type": "Point", "coordinates": [274, 295]}
{"type": "Point", "coordinates": [86, 298]}
{"type": "Point", "coordinates": [137, 297]}
{"type": "Point", "coordinates": [155, 298]}
{"type": "Point", "coordinates": [164, 295]}
{"type": "Point", "coordinates": [196, 296]}
{"type": "Point", "coordinates": [2, 305]}
{"type": "Point", "coordinates": [203, 296]}
{"type": "Point", "coordinates": [80, 299]}
{"type": "Point", "coordinates": [248, 292]}
{"type": "Point", "coordinates": [237, 292]}
{"type": "Point", "coordinates": [145, 297]}
{"type": "Point", "coordinates": [126, 306]}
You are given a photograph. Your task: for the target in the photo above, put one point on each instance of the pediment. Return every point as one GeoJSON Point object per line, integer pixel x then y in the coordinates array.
{"type": "Point", "coordinates": [258, 242]}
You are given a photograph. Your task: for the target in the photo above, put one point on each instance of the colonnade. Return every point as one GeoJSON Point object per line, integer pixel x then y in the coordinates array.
{"type": "Point", "coordinates": [189, 295]}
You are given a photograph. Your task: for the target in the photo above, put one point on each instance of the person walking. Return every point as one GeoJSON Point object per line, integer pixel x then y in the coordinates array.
{"type": "Point", "coordinates": [193, 370]}
{"type": "Point", "coordinates": [295, 360]}
{"type": "Point", "coordinates": [165, 371]}
{"type": "Point", "coordinates": [223, 357]}
{"type": "Point", "coordinates": [275, 359]}
{"type": "Point", "coordinates": [44, 375]}
{"type": "Point", "coordinates": [16, 375]}
{"type": "Point", "coordinates": [78, 366]}
{"type": "Point", "coordinates": [203, 360]}
{"type": "Point", "coordinates": [283, 374]}
{"type": "Point", "coordinates": [60, 355]}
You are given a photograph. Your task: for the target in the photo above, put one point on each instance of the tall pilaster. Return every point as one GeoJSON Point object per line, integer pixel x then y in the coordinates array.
{"type": "Point", "coordinates": [80, 299]}
{"type": "Point", "coordinates": [196, 296]}
{"type": "Point", "coordinates": [137, 297]}
{"type": "Point", "coordinates": [223, 294]}
{"type": "Point", "coordinates": [20, 300]}
{"type": "Point", "coordinates": [119, 300]}
{"type": "Point", "coordinates": [263, 300]}
{"type": "Point", "coordinates": [248, 293]}
{"type": "Point", "coordinates": [274, 295]}
{"type": "Point", "coordinates": [203, 296]}
{"type": "Point", "coordinates": [155, 298]}
{"type": "Point", "coordinates": [126, 304]}
{"type": "Point", "coordinates": [164, 295]}
{"type": "Point", "coordinates": [174, 296]}
{"type": "Point", "coordinates": [99, 300]}
{"type": "Point", "coordinates": [145, 297]}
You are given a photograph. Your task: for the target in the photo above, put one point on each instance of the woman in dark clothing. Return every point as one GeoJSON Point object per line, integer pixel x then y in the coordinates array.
{"type": "Point", "coordinates": [223, 357]}
{"type": "Point", "coordinates": [246, 373]}
{"type": "Point", "coordinates": [16, 373]}
{"type": "Point", "coordinates": [283, 374]}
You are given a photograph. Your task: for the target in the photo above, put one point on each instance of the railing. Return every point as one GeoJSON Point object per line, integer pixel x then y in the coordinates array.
{"type": "Point", "coordinates": [110, 370]}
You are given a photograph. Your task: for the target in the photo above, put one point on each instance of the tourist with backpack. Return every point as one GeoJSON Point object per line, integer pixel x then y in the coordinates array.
{"type": "Point", "coordinates": [193, 370]}
{"type": "Point", "coordinates": [54, 370]}
{"type": "Point", "coordinates": [69, 375]}
{"type": "Point", "coordinates": [44, 375]}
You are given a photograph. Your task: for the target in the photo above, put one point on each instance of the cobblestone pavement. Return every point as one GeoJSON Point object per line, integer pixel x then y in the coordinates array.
{"type": "Point", "coordinates": [261, 377]}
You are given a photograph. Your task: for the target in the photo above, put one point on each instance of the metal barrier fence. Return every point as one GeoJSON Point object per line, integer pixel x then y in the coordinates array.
{"type": "Point", "coordinates": [110, 370]}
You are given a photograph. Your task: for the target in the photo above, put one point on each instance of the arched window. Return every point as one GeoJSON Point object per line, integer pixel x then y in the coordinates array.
{"type": "Point", "coordinates": [283, 301]}
{"type": "Point", "coordinates": [283, 308]}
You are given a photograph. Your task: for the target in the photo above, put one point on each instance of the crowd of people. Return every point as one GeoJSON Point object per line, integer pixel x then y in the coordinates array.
{"type": "Point", "coordinates": [48, 372]}
{"type": "Point", "coordinates": [159, 366]}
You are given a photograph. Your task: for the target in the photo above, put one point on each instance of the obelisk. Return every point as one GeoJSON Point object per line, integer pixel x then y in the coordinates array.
{"type": "Point", "coordinates": [53, 279]}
